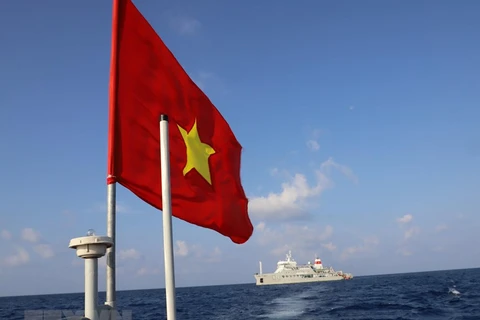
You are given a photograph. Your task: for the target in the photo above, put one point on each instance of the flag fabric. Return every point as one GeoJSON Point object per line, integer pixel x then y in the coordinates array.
{"type": "Point", "coordinates": [146, 81]}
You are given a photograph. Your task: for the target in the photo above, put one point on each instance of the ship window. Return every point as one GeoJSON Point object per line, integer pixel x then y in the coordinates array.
{"type": "Point", "coordinates": [261, 280]}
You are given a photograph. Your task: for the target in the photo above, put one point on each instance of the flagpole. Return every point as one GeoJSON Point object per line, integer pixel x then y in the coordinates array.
{"type": "Point", "coordinates": [167, 219]}
{"type": "Point", "coordinates": [117, 9]}
{"type": "Point", "coordinates": [111, 217]}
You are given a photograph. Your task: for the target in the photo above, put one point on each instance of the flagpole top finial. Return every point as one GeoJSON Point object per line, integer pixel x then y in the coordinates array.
{"type": "Point", "coordinates": [163, 117]}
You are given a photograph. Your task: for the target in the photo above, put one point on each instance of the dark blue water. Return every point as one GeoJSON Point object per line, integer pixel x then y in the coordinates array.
{"type": "Point", "coordinates": [403, 296]}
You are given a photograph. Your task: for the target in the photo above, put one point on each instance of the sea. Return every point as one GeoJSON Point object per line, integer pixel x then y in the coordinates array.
{"type": "Point", "coordinates": [453, 294]}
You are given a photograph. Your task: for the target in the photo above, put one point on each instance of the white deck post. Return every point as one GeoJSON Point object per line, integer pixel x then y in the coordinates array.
{"type": "Point", "coordinates": [90, 248]}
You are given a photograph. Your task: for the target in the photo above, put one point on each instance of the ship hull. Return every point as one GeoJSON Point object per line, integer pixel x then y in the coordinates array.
{"type": "Point", "coordinates": [272, 279]}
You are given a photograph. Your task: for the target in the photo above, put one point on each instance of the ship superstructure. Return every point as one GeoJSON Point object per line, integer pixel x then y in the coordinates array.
{"type": "Point", "coordinates": [288, 271]}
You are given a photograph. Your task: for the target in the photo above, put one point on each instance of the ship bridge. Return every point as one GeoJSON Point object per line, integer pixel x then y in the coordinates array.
{"type": "Point", "coordinates": [287, 264]}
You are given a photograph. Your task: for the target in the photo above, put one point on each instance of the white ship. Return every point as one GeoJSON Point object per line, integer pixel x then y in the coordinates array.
{"type": "Point", "coordinates": [289, 272]}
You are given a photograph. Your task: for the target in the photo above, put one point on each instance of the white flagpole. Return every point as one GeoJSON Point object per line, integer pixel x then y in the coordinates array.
{"type": "Point", "coordinates": [111, 188]}
{"type": "Point", "coordinates": [167, 219]}
{"type": "Point", "coordinates": [111, 213]}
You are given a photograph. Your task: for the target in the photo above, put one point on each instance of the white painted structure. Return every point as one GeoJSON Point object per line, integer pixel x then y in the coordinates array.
{"type": "Point", "coordinates": [90, 248]}
{"type": "Point", "coordinates": [289, 272]}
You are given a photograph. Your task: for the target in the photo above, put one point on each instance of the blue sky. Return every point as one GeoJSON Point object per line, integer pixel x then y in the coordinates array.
{"type": "Point", "coordinates": [359, 122]}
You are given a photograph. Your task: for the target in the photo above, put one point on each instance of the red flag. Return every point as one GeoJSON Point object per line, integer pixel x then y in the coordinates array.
{"type": "Point", "coordinates": [146, 81]}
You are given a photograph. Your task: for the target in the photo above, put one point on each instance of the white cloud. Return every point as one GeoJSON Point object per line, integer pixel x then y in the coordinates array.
{"type": "Point", "coordinates": [200, 82]}
{"type": "Point", "coordinates": [260, 226]}
{"type": "Point", "coordinates": [303, 240]}
{"type": "Point", "coordinates": [280, 173]}
{"type": "Point", "coordinates": [441, 227]}
{"type": "Point", "coordinates": [281, 250]}
{"type": "Point", "coordinates": [404, 252]}
{"type": "Point", "coordinates": [181, 248]}
{"type": "Point", "coordinates": [296, 194]}
{"type": "Point", "coordinates": [329, 246]}
{"type": "Point", "coordinates": [17, 259]}
{"type": "Point", "coordinates": [30, 235]}
{"type": "Point", "coordinates": [145, 271]}
{"type": "Point", "coordinates": [209, 81]}
{"type": "Point", "coordinates": [214, 256]}
{"type": "Point", "coordinates": [274, 171]}
{"type": "Point", "coordinates": [119, 208]}
{"type": "Point", "coordinates": [5, 234]}
{"type": "Point", "coordinates": [185, 25]}
{"type": "Point", "coordinates": [368, 244]}
{"type": "Point", "coordinates": [328, 232]}
{"type": "Point", "coordinates": [142, 271]}
{"type": "Point", "coordinates": [411, 232]}
{"type": "Point", "coordinates": [291, 201]}
{"type": "Point", "coordinates": [44, 250]}
{"type": "Point", "coordinates": [128, 254]}
{"type": "Point", "coordinates": [405, 219]}
{"type": "Point", "coordinates": [313, 145]}
{"type": "Point", "coordinates": [330, 163]}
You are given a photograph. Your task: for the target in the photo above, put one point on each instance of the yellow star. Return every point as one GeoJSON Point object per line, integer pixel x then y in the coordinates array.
{"type": "Point", "coordinates": [197, 153]}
